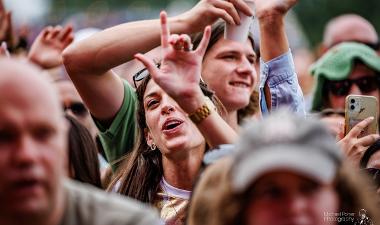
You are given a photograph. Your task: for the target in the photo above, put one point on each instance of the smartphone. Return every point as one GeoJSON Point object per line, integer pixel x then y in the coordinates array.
{"type": "Point", "coordinates": [358, 108]}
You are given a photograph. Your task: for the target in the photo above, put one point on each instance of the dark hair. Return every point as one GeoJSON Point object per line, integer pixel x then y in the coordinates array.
{"type": "Point", "coordinates": [83, 157]}
{"type": "Point", "coordinates": [141, 171]}
{"type": "Point", "coordinates": [375, 147]}
{"type": "Point", "coordinates": [217, 32]}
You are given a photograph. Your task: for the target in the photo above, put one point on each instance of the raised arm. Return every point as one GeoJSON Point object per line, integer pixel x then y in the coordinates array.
{"type": "Point", "coordinates": [271, 15]}
{"type": "Point", "coordinates": [179, 76]}
{"type": "Point", "coordinates": [278, 83]}
{"type": "Point", "coordinates": [89, 62]}
{"type": "Point", "coordinates": [46, 50]}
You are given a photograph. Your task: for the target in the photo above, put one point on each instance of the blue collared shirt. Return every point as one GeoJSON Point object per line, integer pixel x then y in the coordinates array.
{"type": "Point", "coordinates": [279, 73]}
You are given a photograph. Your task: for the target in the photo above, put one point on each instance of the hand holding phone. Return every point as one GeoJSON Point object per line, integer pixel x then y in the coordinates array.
{"type": "Point", "coordinates": [358, 108]}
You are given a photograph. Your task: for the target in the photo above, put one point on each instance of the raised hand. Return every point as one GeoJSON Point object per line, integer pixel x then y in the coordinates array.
{"type": "Point", "coordinates": [180, 69]}
{"type": "Point", "coordinates": [353, 145]}
{"type": "Point", "coordinates": [6, 32]}
{"type": "Point", "coordinates": [4, 50]}
{"type": "Point", "coordinates": [46, 50]}
{"type": "Point", "coordinates": [269, 8]}
{"type": "Point", "coordinates": [206, 12]}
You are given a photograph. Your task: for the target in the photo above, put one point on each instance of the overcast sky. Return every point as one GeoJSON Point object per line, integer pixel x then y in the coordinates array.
{"type": "Point", "coordinates": [27, 10]}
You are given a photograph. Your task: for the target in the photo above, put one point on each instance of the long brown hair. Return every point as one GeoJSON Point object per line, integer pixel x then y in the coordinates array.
{"type": "Point", "coordinates": [140, 174]}
{"type": "Point", "coordinates": [83, 156]}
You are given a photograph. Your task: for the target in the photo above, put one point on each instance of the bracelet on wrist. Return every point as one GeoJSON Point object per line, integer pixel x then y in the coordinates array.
{"type": "Point", "coordinates": [201, 113]}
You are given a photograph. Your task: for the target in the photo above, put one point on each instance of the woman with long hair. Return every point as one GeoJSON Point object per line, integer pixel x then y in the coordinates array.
{"type": "Point", "coordinates": [112, 102]}
{"type": "Point", "coordinates": [175, 119]}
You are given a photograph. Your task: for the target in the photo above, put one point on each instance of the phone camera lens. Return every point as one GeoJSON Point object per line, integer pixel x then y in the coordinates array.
{"type": "Point", "coordinates": [352, 100]}
{"type": "Point", "coordinates": [352, 107]}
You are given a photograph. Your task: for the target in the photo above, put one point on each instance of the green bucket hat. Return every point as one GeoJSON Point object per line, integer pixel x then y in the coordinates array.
{"type": "Point", "coordinates": [337, 64]}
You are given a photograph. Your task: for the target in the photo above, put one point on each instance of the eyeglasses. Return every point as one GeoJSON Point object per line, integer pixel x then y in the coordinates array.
{"type": "Point", "coordinates": [142, 74]}
{"type": "Point", "coordinates": [77, 108]}
{"type": "Point", "coordinates": [374, 173]}
{"type": "Point", "coordinates": [342, 87]}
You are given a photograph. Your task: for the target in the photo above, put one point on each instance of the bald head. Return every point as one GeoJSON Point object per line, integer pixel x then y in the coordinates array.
{"type": "Point", "coordinates": [349, 27]}
{"type": "Point", "coordinates": [33, 142]}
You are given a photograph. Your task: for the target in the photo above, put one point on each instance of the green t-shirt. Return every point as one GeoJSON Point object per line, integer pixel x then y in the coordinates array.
{"type": "Point", "coordinates": [118, 139]}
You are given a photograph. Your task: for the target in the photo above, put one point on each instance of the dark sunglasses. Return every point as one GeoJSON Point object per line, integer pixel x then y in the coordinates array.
{"type": "Point", "coordinates": [374, 174]}
{"type": "Point", "coordinates": [342, 87]}
{"type": "Point", "coordinates": [77, 108]}
{"type": "Point", "coordinates": [141, 75]}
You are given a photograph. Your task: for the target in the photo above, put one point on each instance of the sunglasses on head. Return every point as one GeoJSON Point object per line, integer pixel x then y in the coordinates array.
{"type": "Point", "coordinates": [342, 87]}
{"type": "Point", "coordinates": [374, 174]}
{"type": "Point", "coordinates": [77, 108]}
{"type": "Point", "coordinates": [141, 75]}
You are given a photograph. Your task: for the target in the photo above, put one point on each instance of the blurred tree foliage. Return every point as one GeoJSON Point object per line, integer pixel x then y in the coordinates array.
{"type": "Point", "coordinates": [314, 14]}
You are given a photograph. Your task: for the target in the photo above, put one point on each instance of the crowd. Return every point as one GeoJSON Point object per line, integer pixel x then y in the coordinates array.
{"type": "Point", "coordinates": [193, 128]}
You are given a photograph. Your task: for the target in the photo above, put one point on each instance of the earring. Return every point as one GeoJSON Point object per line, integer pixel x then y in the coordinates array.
{"type": "Point", "coordinates": [153, 147]}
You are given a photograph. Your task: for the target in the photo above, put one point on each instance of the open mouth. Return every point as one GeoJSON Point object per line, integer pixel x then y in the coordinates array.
{"type": "Point", "coordinates": [171, 124]}
{"type": "Point", "coordinates": [239, 84]}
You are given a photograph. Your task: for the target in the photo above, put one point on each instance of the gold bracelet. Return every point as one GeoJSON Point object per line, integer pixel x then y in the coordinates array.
{"type": "Point", "coordinates": [200, 114]}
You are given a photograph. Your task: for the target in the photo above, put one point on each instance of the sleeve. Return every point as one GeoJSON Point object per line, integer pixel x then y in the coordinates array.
{"type": "Point", "coordinates": [118, 139]}
{"type": "Point", "coordinates": [279, 74]}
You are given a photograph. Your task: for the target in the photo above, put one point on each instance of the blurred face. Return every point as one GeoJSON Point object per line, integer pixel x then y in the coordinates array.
{"type": "Point", "coordinates": [374, 162]}
{"type": "Point", "coordinates": [284, 198]}
{"type": "Point", "coordinates": [362, 81]}
{"type": "Point", "coordinates": [228, 69]}
{"type": "Point", "coordinates": [32, 152]}
{"type": "Point", "coordinates": [73, 105]}
{"type": "Point", "coordinates": [169, 127]}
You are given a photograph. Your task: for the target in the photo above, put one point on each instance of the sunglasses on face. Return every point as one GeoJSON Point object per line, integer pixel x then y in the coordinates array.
{"type": "Point", "coordinates": [366, 85]}
{"type": "Point", "coordinates": [141, 75]}
{"type": "Point", "coordinates": [77, 108]}
{"type": "Point", "coordinates": [374, 174]}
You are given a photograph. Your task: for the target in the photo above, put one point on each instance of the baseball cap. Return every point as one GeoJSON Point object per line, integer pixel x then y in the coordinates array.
{"type": "Point", "coordinates": [284, 141]}
{"type": "Point", "coordinates": [338, 63]}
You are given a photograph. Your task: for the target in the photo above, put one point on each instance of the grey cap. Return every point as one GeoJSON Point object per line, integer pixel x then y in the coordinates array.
{"type": "Point", "coordinates": [284, 141]}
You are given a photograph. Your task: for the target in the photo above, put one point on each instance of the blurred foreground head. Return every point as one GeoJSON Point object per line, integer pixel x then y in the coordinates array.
{"type": "Point", "coordinates": [286, 170]}
{"type": "Point", "coordinates": [349, 28]}
{"type": "Point", "coordinates": [33, 138]}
